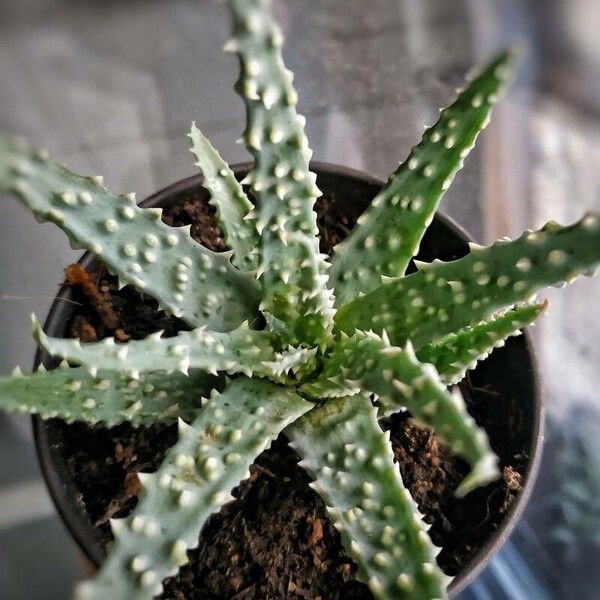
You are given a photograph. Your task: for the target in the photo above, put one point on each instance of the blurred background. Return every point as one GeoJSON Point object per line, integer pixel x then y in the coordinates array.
{"type": "Point", "coordinates": [111, 87]}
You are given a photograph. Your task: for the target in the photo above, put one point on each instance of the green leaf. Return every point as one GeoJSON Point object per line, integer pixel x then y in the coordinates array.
{"type": "Point", "coordinates": [109, 398]}
{"type": "Point", "coordinates": [291, 269]}
{"type": "Point", "coordinates": [351, 461]}
{"type": "Point", "coordinates": [401, 382]}
{"type": "Point", "coordinates": [454, 354]}
{"type": "Point", "coordinates": [444, 298]}
{"type": "Point", "coordinates": [211, 457]}
{"type": "Point", "coordinates": [240, 351]}
{"type": "Point", "coordinates": [388, 234]}
{"type": "Point", "coordinates": [188, 280]}
{"type": "Point", "coordinates": [229, 200]}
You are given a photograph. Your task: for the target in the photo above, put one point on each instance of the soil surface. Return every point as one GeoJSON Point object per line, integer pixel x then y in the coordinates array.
{"type": "Point", "coordinates": [275, 540]}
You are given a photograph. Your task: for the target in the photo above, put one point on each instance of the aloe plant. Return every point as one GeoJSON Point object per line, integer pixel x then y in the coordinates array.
{"type": "Point", "coordinates": [348, 339]}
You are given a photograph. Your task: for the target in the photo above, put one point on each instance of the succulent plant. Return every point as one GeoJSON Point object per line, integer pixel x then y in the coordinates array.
{"type": "Point", "coordinates": [317, 347]}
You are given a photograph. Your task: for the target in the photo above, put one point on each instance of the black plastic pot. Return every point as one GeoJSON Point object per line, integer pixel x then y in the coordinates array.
{"type": "Point", "coordinates": [510, 370]}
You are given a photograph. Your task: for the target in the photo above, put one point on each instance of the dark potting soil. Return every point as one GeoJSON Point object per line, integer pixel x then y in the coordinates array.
{"type": "Point", "coordinates": [275, 540]}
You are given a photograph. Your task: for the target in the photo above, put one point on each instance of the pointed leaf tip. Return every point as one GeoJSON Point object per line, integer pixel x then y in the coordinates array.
{"type": "Point", "coordinates": [404, 208]}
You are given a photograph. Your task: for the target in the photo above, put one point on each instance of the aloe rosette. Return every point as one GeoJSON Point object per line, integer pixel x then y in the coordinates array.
{"type": "Point", "coordinates": [348, 338]}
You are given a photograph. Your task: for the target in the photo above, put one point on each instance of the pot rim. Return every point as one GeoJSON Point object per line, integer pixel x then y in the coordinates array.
{"type": "Point", "coordinates": [62, 491]}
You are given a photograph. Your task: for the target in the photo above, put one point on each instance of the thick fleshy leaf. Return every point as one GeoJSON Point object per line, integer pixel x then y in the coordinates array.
{"type": "Point", "coordinates": [454, 354]}
{"type": "Point", "coordinates": [351, 461]}
{"type": "Point", "coordinates": [444, 298]}
{"type": "Point", "coordinates": [108, 398]}
{"type": "Point", "coordinates": [291, 269]}
{"type": "Point", "coordinates": [388, 234]}
{"type": "Point", "coordinates": [240, 351]}
{"type": "Point", "coordinates": [190, 281]}
{"type": "Point", "coordinates": [229, 200]}
{"type": "Point", "coordinates": [401, 382]}
{"type": "Point", "coordinates": [210, 458]}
